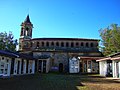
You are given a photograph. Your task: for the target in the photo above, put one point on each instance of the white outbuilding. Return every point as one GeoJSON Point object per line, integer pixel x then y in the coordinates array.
{"type": "Point", "coordinates": [13, 63]}
{"type": "Point", "coordinates": [110, 66]}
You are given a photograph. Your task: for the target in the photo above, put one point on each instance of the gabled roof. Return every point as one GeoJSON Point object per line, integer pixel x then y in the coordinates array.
{"type": "Point", "coordinates": [7, 53]}
{"type": "Point", "coordinates": [16, 55]}
{"type": "Point", "coordinates": [115, 56]}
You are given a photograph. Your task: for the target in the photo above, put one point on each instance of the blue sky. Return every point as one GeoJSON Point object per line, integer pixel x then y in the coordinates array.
{"type": "Point", "coordinates": [60, 18]}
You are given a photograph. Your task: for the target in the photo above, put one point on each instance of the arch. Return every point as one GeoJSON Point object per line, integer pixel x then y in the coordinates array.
{"type": "Point", "coordinates": [27, 31]}
{"type": "Point", "coordinates": [27, 28]}
{"type": "Point", "coordinates": [47, 44]}
{"type": "Point", "coordinates": [82, 44]}
{"type": "Point", "coordinates": [57, 44]}
{"type": "Point", "coordinates": [37, 44]}
{"type": "Point", "coordinates": [67, 44]}
{"type": "Point", "coordinates": [72, 44]}
{"type": "Point", "coordinates": [62, 44]}
{"type": "Point", "coordinates": [91, 44]}
{"type": "Point", "coordinates": [52, 43]}
{"type": "Point", "coordinates": [87, 45]}
{"type": "Point", "coordinates": [77, 44]}
{"type": "Point", "coordinates": [42, 44]}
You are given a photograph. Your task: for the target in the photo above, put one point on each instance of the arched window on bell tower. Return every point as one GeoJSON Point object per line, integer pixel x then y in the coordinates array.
{"type": "Point", "coordinates": [27, 31]}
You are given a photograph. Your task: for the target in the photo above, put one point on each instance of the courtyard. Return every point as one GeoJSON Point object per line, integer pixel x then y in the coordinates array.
{"type": "Point", "coordinates": [55, 81]}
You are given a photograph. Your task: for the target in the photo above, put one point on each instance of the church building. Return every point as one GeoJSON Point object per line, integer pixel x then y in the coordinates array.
{"type": "Point", "coordinates": [73, 55]}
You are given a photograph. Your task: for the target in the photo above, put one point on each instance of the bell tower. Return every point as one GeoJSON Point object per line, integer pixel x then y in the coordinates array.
{"type": "Point", "coordinates": [26, 28]}
{"type": "Point", "coordinates": [26, 33]}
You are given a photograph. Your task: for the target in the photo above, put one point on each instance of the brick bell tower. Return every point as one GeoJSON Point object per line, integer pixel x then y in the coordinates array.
{"type": "Point", "coordinates": [25, 34]}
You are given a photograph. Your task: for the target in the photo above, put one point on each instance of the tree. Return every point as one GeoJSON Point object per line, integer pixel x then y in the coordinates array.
{"type": "Point", "coordinates": [110, 39]}
{"type": "Point", "coordinates": [7, 42]}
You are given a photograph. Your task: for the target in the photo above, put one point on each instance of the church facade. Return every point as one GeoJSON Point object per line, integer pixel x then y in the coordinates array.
{"type": "Point", "coordinates": [56, 54]}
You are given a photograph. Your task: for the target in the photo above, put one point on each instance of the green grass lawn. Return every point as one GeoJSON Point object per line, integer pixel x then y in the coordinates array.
{"type": "Point", "coordinates": [58, 82]}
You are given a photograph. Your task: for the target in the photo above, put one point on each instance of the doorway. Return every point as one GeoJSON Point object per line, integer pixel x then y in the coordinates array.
{"type": "Point", "coordinates": [44, 66]}
{"type": "Point", "coordinates": [109, 68]}
{"type": "Point", "coordinates": [61, 67]}
{"type": "Point", "coordinates": [40, 66]}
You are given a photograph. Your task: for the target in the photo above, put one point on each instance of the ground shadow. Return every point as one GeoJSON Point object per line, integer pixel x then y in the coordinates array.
{"type": "Point", "coordinates": [41, 82]}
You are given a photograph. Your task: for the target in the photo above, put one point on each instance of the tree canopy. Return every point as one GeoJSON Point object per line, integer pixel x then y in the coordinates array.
{"type": "Point", "coordinates": [7, 41]}
{"type": "Point", "coordinates": [110, 39]}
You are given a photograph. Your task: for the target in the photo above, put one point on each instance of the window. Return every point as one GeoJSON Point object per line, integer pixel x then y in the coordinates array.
{"type": "Point", "coordinates": [52, 43]}
{"type": "Point", "coordinates": [87, 45]}
{"type": "Point", "coordinates": [42, 44]}
{"type": "Point", "coordinates": [2, 58]}
{"type": "Point", "coordinates": [67, 44]}
{"type": "Point", "coordinates": [62, 44]}
{"type": "Point", "coordinates": [57, 44]}
{"type": "Point", "coordinates": [37, 44]}
{"type": "Point", "coordinates": [47, 44]}
{"type": "Point", "coordinates": [72, 44]}
{"type": "Point", "coordinates": [82, 44]}
{"type": "Point", "coordinates": [91, 44]}
{"type": "Point", "coordinates": [27, 30]}
{"type": "Point", "coordinates": [7, 60]}
{"type": "Point", "coordinates": [77, 44]}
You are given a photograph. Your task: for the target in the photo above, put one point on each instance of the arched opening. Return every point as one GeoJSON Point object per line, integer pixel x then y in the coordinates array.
{"type": "Point", "coordinates": [57, 44]}
{"type": "Point", "coordinates": [87, 45]}
{"type": "Point", "coordinates": [42, 44]}
{"type": "Point", "coordinates": [47, 44]}
{"type": "Point", "coordinates": [52, 43]}
{"type": "Point", "coordinates": [77, 44]}
{"type": "Point", "coordinates": [72, 44]}
{"type": "Point", "coordinates": [27, 31]}
{"type": "Point", "coordinates": [91, 44]}
{"type": "Point", "coordinates": [37, 44]}
{"type": "Point", "coordinates": [62, 44]}
{"type": "Point", "coordinates": [61, 67]}
{"type": "Point", "coordinates": [67, 44]}
{"type": "Point", "coordinates": [82, 44]}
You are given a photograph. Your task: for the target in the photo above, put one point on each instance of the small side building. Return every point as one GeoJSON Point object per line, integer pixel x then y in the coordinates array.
{"type": "Point", "coordinates": [12, 63]}
{"type": "Point", "coordinates": [110, 66]}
